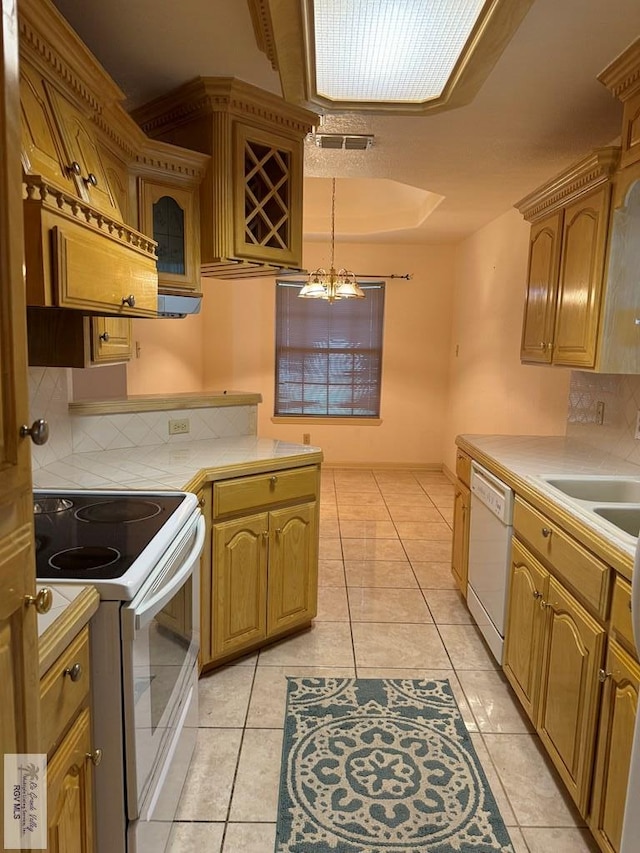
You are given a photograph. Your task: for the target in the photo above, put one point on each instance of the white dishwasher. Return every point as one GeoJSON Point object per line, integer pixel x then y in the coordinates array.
{"type": "Point", "coordinates": [489, 555]}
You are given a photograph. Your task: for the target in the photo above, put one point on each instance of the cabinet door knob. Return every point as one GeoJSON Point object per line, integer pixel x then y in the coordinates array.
{"type": "Point", "coordinates": [129, 300]}
{"type": "Point", "coordinates": [265, 534]}
{"type": "Point", "coordinates": [543, 345]}
{"type": "Point", "coordinates": [75, 168]}
{"type": "Point", "coordinates": [273, 480]}
{"type": "Point", "coordinates": [201, 502]}
{"type": "Point", "coordinates": [42, 601]}
{"type": "Point", "coordinates": [278, 531]}
{"type": "Point", "coordinates": [603, 675]}
{"type": "Point", "coordinates": [74, 672]}
{"type": "Point", "coordinates": [95, 757]}
{"type": "Point", "coordinates": [537, 595]}
{"type": "Point", "coordinates": [91, 179]}
{"type": "Point", "coordinates": [38, 431]}
{"type": "Point", "coordinates": [105, 337]}
{"type": "Point", "coordinates": [546, 532]}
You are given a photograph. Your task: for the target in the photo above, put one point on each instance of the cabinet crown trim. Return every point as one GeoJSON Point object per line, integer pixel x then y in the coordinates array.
{"type": "Point", "coordinates": [584, 176]}
{"type": "Point", "coordinates": [46, 35]}
{"type": "Point", "coordinates": [622, 76]}
{"type": "Point", "coordinates": [208, 95]}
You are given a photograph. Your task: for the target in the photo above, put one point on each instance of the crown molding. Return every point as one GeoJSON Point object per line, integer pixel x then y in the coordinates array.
{"type": "Point", "coordinates": [622, 76]}
{"type": "Point", "coordinates": [263, 29]}
{"type": "Point", "coordinates": [595, 169]}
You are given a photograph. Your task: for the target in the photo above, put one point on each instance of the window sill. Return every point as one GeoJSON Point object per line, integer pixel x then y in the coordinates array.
{"type": "Point", "coordinates": [325, 421]}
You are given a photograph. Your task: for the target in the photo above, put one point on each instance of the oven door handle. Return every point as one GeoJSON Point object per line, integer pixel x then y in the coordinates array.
{"type": "Point", "coordinates": [144, 612]}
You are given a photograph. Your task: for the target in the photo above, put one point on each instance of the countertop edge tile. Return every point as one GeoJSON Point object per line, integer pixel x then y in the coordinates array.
{"type": "Point", "coordinates": [55, 636]}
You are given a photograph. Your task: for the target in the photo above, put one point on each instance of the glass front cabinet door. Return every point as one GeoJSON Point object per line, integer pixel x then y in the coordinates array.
{"type": "Point", "coordinates": [170, 215]}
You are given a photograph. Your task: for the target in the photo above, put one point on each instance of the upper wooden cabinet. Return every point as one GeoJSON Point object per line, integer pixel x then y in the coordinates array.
{"type": "Point", "coordinates": [622, 78]}
{"type": "Point", "coordinates": [566, 281]}
{"type": "Point", "coordinates": [251, 198]}
{"type": "Point", "coordinates": [167, 199]}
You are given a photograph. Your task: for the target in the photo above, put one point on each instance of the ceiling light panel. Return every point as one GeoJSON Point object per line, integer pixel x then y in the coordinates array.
{"type": "Point", "coordinates": [399, 51]}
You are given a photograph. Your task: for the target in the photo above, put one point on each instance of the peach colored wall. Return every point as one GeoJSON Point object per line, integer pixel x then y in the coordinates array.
{"type": "Point", "coordinates": [239, 340]}
{"type": "Point", "coordinates": [489, 390]}
{"type": "Point", "coordinates": [170, 356]}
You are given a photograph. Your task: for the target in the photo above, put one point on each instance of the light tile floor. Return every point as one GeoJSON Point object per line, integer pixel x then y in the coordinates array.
{"type": "Point", "coordinates": [388, 607]}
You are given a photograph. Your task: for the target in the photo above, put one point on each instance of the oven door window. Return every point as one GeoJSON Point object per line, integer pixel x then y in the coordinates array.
{"type": "Point", "coordinates": [160, 649]}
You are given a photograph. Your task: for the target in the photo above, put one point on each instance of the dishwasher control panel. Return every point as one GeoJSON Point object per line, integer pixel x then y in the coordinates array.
{"type": "Point", "coordinates": [493, 493]}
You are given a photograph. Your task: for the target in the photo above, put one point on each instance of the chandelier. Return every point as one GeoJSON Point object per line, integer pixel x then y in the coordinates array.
{"type": "Point", "coordinates": [332, 285]}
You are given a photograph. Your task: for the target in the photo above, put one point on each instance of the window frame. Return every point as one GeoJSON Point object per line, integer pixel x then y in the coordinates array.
{"type": "Point", "coordinates": [374, 358]}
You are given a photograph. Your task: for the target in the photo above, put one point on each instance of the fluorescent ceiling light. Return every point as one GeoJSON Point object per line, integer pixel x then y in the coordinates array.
{"type": "Point", "coordinates": [401, 51]}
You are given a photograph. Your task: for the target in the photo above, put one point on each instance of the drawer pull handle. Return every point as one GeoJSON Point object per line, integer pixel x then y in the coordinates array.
{"type": "Point", "coordinates": [129, 300]}
{"type": "Point", "coordinates": [546, 532]}
{"type": "Point", "coordinates": [74, 672]}
{"type": "Point", "coordinates": [603, 675]}
{"type": "Point", "coordinates": [273, 480]}
{"type": "Point", "coordinates": [94, 757]}
{"type": "Point", "coordinates": [42, 601]}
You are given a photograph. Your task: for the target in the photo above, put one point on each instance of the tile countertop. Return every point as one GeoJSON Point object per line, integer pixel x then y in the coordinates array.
{"type": "Point", "coordinates": [522, 460]}
{"type": "Point", "coordinates": [184, 466]}
{"type": "Point", "coordinates": [72, 607]}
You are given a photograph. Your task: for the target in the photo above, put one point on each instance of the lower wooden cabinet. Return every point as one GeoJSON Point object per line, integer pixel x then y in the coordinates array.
{"type": "Point", "coordinates": [66, 738]}
{"type": "Point", "coordinates": [261, 579]}
{"type": "Point", "coordinates": [70, 791]}
{"type": "Point", "coordinates": [553, 655]}
{"type": "Point", "coordinates": [460, 550]}
{"type": "Point", "coordinates": [617, 722]}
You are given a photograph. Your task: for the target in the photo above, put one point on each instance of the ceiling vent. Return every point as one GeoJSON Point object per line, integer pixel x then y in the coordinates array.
{"type": "Point", "coordinates": [346, 141]}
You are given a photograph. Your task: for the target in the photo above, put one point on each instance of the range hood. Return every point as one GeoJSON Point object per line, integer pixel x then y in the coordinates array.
{"type": "Point", "coordinates": [176, 307]}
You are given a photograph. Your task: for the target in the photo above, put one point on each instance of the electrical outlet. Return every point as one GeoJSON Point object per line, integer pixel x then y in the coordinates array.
{"type": "Point", "coordinates": [600, 412]}
{"type": "Point", "coordinates": [306, 438]}
{"type": "Point", "coordinates": [178, 426]}
{"type": "Point", "coordinates": [637, 434]}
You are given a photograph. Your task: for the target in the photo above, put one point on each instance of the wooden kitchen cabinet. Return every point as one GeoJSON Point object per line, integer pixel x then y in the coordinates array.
{"type": "Point", "coordinates": [580, 282]}
{"type": "Point", "coordinates": [525, 627]}
{"type": "Point", "coordinates": [265, 560]}
{"type": "Point", "coordinates": [621, 676]}
{"type": "Point", "coordinates": [251, 196]}
{"type": "Point", "coordinates": [460, 549]}
{"type": "Point", "coordinates": [66, 738]}
{"type": "Point", "coordinates": [59, 338]}
{"type": "Point", "coordinates": [542, 286]}
{"type": "Point", "coordinates": [566, 287]}
{"type": "Point", "coordinates": [553, 653]}
{"type": "Point", "coordinates": [70, 792]}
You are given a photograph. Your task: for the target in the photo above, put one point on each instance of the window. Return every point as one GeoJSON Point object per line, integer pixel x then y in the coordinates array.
{"type": "Point", "coordinates": [328, 356]}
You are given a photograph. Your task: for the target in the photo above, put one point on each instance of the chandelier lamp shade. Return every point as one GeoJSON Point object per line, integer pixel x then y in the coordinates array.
{"type": "Point", "coordinates": [330, 284]}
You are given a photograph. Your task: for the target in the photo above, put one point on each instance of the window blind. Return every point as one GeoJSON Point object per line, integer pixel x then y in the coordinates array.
{"type": "Point", "coordinates": [328, 356]}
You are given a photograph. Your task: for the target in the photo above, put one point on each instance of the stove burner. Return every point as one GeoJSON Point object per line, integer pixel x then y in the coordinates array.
{"type": "Point", "coordinates": [46, 506]}
{"type": "Point", "coordinates": [85, 558]}
{"type": "Point", "coordinates": [121, 511]}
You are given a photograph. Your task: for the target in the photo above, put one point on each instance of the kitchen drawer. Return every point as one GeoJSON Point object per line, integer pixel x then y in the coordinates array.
{"type": "Point", "coordinates": [588, 577]}
{"type": "Point", "coordinates": [463, 467]}
{"type": "Point", "coordinates": [60, 695]}
{"type": "Point", "coordinates": [621, 614]}
{"type": "Point", "coordinates": [248, 493]}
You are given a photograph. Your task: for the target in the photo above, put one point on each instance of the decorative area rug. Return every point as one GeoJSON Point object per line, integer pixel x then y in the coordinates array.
{"type": "Point", "coordinates": [373, 765]}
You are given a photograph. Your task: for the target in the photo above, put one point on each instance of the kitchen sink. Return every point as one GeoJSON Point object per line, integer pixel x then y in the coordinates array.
{"type": "Point", "coordinates": [599, 489]}
{"type": "Point", "coordinates": [627, 518]}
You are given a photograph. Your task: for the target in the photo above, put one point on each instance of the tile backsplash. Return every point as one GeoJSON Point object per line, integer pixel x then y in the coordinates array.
{"type": "Point", "coordinates": [621, 398]}
{"type": "Point", "coordinates": [49, 398]}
